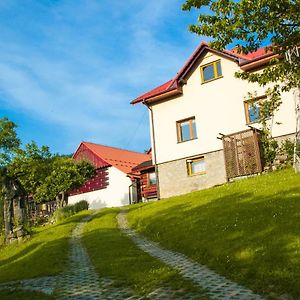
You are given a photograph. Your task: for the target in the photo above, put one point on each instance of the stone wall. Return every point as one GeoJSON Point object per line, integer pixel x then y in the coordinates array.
{"type": "Point", "coordinates": [283, 138]}
{"type": "Point", "coordinates": [174, 179]}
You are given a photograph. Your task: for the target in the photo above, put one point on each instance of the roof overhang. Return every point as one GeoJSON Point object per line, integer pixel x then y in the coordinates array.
{"type": "Point", "coordinates": [163, 96]}
{"type": "Point", "coordinates": [258, 62]}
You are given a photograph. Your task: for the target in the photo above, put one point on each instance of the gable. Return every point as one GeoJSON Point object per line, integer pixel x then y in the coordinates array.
{"type": "Point", "coordinates": [173, 88]}
{"type": "Point", "coordinates": [104, 156]}
{"type": "Point", "coordinates": [84, 153]}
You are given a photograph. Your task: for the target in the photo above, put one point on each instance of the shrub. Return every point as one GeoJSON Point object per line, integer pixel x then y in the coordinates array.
{"type": "Point", "coordinates": [81, 205]}
{"type": "Point", "coordinates": [69, 210]}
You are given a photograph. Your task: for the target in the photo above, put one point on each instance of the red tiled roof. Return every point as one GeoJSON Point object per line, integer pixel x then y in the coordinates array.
{"type": "Point", "coordinates": [259, 53]}
{"type": "Point", "coordinates": [158, 90]}
{"type": "Point", "coordinates": [175, 83]}
{"type": "Point", "coordinates": [124, 160]}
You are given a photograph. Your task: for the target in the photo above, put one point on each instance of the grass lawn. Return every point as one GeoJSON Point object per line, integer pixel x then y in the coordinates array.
{"type": "Point", "coordinates": [248, 231]}
{"type": "Point", "coordinates": [115, 256]}
{"type": "Point", "coordinates": [23, 295]}
{"type": "Point", "coordinates": [43, 255]}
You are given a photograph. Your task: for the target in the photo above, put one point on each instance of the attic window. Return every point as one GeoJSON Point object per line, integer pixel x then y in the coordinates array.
{"type": "Point", "coordinates": [211, 71]}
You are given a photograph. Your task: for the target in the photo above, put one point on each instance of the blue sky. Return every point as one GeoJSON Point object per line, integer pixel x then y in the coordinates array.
{"type": "Point", "coordinates": [69, 68]}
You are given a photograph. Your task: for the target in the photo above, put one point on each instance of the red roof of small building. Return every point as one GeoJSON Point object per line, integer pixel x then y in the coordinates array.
{"type": "Point", "coordinates": [175, 83]}
{"type": "Point", "coordinates": [124, 160]}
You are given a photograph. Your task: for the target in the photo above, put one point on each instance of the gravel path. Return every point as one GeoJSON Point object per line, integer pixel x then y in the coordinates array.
{"type": "Point", "coordinates": [218, 286]}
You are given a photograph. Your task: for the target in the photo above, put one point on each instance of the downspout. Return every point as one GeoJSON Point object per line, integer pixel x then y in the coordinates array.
{"type": "Point", "coordinates": [154, 149]}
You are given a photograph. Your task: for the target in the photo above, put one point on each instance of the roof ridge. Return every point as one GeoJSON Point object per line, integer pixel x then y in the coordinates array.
{"type": "Point", "coordinates": [117, 148]}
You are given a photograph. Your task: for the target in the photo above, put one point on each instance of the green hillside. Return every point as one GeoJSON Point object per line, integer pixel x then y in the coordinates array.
{"type": "Point", "coordinates": [248, 231]}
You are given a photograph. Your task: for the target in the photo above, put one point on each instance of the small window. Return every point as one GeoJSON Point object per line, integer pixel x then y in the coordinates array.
{"type": "Point", "coordinates": [196, 166]}
{"type": "Point", "coordinates": [186, 130]}
{"type": "Point", "coordinates": [152, 178]}
{"type": "Point", "coordinates": [253, 108]}
{"type": "Point", "coordinates": [211, 71]}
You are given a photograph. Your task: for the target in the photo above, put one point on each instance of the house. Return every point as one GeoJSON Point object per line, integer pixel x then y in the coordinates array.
{"type": "Point", "coordinates": [203, 122]}
{"type": "Point", "coordinates": [110, 186]}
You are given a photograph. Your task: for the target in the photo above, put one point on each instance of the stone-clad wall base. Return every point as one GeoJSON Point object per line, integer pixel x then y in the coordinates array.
{"type": "Point", "coordinates": [174, 179]}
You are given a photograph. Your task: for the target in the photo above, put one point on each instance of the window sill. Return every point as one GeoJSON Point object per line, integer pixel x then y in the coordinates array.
{"type": "Point", "coordinates": [200, 173]}
{"type": "Point", "coordinates": [178, 142]}
{"type": "Point", "coordinates": [207, 81]}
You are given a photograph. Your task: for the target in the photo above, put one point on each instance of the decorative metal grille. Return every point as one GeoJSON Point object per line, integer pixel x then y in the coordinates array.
{"type": "Point", "coordinates": [242, 153]}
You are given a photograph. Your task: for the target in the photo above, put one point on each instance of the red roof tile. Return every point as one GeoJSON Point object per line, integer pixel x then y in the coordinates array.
{"type": "Point", "coordinates": [124, 160]}
{"type": "Point", "coordinates": [259, 53]}
{"type": "Point", "coordinates": [158, 90]}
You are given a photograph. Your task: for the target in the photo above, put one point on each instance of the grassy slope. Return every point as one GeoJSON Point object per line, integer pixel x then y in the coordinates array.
{"type": "Point", "coordinates": [44, 254]}
{"type": "Point", "coordinates": [115, 256]}
{"type": "Point", "coordinates": [248, 230]}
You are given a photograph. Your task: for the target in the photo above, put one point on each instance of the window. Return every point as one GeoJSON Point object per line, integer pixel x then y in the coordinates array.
{"type": "Point", "coordinates": [152, 178]}
{"type": "Point", "coordinates": [211, 71]}
{"type": "Point", "coordinates": [186, 130]}
{"type": "Point", "coordinates": [196, 166]}
{"type": "Point", "coordinates": [253, 108]}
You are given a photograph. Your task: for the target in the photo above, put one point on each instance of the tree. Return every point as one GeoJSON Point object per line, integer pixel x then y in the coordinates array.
{"type": "Point", "coordinates": [66, 175]}
{"type": "Point", "coordinates": [32, 170]}
{"type": "Point", "coordinates": [32, 165]}
{"type": "Point", "coordinates": [11, 191]}
{"type": "Point", "coordinates": [9, 142]}
{"type": "Point", "coordinates": [250, 24]}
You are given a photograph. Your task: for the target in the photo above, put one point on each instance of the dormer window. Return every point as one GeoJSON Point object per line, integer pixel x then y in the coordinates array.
{"type": "Point", "coordinates": [211, 71]}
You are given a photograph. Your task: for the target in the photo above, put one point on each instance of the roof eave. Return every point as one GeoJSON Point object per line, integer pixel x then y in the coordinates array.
{"type": "Point", "coordinates": [259, 62]}
{"type": "Point", "coordinates": [164, 96]}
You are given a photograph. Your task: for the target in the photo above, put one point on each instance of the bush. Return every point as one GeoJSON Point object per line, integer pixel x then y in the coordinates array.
{"type": "Point", "coordinates": [69, 210]}
{"type": "Point", "coordinates": [81, 205]}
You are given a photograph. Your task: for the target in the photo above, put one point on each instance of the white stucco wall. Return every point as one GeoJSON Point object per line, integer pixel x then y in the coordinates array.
{"type": "Point", "coordinates": [218, 107]}
{"type": "Point", "coordinates": [116, 193]}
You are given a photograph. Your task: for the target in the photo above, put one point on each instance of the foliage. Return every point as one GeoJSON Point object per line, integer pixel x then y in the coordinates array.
{"type": "Point", "coordinates": [45, 254]}
{"type": "Point", "coordinates": [69, 210]}
{"type": "Point", "coordinates": [34, 171]}
{"type": "Point", "coordinates": [115, 256]}
{"type": "Point", "coordinates": [65, 175]}
{"type": "Point", "coordinates": [287, 149]}
{"type": "Point", "coordinates": [267, 109]}
{"type": "Point", "coordinates": [251, 24]}
{"type": "Point", "coordinates": [269, 147]}
{"type": "Point", "coordinates": [32, 165]}
{"type": "Point", "coordinates": [248, 231]}
{"type": "Point", "coordinates": [81, 205]}
{"type": "Point", "coordinates": [1, 212]}
{"type": "Point", "coordinates": [9, 142]}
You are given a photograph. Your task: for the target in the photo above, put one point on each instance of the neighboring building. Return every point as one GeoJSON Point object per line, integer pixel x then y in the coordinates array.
{"type": "Point", "coordinates": [110, 186]}
{"type": "Point", "coordinates": [143, 186]}
{"type": "Point", "coordinates": [200, 121]}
